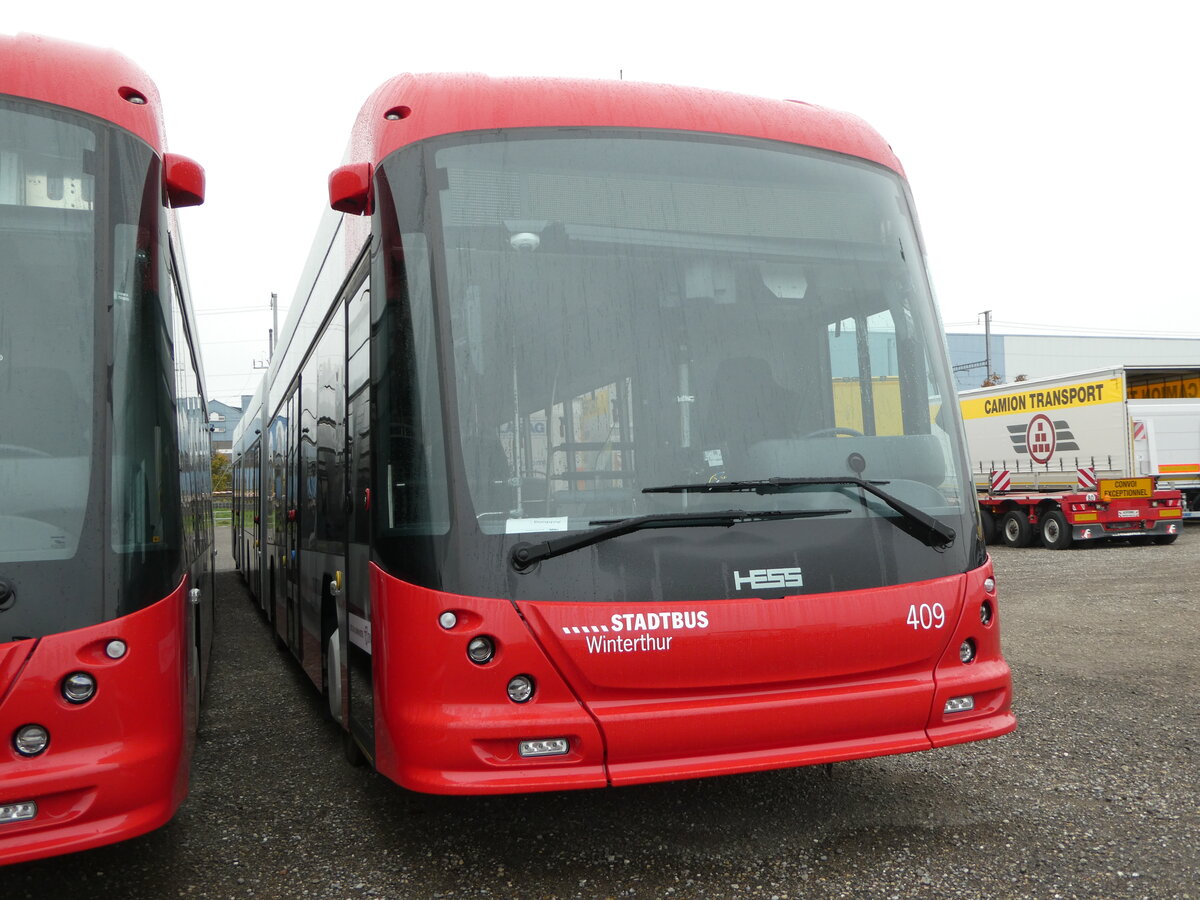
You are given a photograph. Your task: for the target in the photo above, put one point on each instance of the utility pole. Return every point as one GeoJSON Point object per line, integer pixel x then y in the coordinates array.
{"type": "Point", "coordinates": [274, 326]}
{"type": "Point", "coordinates": [986, 362]}
{"type": "Point", "coordinates": [987, 339]}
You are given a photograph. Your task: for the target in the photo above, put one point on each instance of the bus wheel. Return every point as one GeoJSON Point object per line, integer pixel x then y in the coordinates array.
{"type": "Point", "coordinates": [989, 527]}
{"type": "Point", "coordinates": [333, 676]}
{"type": "Point", "coordinates": [1015, 530]}
{"type": "Point", "coordinates": [351, 750]}
{"type": "Point", "coordinates": [1056, 533]}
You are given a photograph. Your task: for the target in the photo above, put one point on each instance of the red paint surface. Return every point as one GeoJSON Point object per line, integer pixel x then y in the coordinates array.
{"type": "Point", "coordinates": [766, 684]}
{"type": "Point", "coordinates": [116, 766]}
{"type": "Point", "coordinates": [438, 104]}
{"type": "Point", "coordinates": [87, 79]}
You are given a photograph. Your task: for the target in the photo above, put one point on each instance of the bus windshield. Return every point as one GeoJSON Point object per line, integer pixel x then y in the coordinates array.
{"type": "Point", "coordinates": [89, 464]}
{"type": "Point", "coordinates": [628, 311]}
{"type": "Point", "coordinates": [47, 323]}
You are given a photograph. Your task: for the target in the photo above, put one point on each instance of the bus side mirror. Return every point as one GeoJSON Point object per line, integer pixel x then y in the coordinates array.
{"type": "Point", "coordinates": [183, 181]}
{"type": "Point", "coordinates": [350, 189]}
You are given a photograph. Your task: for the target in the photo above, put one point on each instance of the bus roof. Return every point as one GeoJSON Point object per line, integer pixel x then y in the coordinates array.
{"type": "Point", "coordinates": [96, 81]}
{"type": "Point", "coordinates": [413, 107]}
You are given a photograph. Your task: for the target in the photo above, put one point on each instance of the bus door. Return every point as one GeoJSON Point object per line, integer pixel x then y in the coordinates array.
{"type": "Point", "coordinates": [291, 526]}
{"type": "Point", "coordinates": [356, 615]}
{"type": "Point", "coordinates": [254, 513]}
{"type": "Point", "coordinates": [275, 559]}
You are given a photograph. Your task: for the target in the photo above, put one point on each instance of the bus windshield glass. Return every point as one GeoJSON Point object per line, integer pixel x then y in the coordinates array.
{"type": "Point", "coordinates": [89, 464]}
{"type": "Point", "coordinates": [628, 311]}
{"type": "Point", "coordinates": [47, 324]}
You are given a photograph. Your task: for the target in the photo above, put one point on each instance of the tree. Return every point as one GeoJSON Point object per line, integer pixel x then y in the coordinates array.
{"type": "Point", "coordinates": [222, 472]}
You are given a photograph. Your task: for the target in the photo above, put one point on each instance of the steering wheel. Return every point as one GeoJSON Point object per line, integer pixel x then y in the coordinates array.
{"type": "Point", "coordinates": [835, 431]}
{"type": "Point", "coordinates": [18, 450]}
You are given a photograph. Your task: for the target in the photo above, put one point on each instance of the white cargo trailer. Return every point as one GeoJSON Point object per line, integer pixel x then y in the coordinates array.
{"type": "Point", "coordinates": [1090, 455]}
{"type": "Point", "coordinates": [1166, 444]}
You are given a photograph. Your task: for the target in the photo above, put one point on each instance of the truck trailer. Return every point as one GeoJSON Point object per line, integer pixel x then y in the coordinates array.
{"type": "Point", "coordinates": [1112, 452]}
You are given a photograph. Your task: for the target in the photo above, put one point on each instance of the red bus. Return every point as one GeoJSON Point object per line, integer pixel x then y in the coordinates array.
{"type": "Point", "coordinates": [105, 513]}
{"type": "Point", "coordinates": [611, 439]}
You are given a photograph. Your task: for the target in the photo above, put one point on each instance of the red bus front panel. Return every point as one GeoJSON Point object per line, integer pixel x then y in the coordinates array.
{"type": "Point", "coordinates": [650, 693]}
{"type": "Point", "coordinates": [116, 766]}
{"type": "Point", "coordinates": [757, 683]}
{"type": "Point", "coordinates": [987, 680]}
{"type": "Point", "coordinates": [444, 724]}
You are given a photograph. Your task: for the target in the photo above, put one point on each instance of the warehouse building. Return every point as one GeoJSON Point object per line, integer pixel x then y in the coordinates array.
{"type": "Point", "coordinates": [1035, 356]}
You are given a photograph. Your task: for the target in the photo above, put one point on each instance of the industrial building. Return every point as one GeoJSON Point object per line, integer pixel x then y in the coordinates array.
{"type": "Point", "coordinates": [1011, 356]}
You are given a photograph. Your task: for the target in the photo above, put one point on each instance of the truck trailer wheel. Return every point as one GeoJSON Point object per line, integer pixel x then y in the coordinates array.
{"type": "Point", "coordinates": [1056, 533]}
{"type": "Point", "coordinates": [1015, 530]}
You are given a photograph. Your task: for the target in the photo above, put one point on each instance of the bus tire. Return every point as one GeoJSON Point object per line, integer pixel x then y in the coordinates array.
{"type": "Point", "coordinates": [351, 750]}
{"type": "Point", "coordinates": [989, 526]}
{"type": "Point", "coordinates": [1015, 530]}
{"type": "Point", "coordinates": [333, 677]}
{"type": "Point", "coordinates": [1056, 533]}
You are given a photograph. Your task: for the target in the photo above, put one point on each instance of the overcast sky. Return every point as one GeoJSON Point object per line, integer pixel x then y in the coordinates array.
{"type": "Point", "coordinates": [1052, 147]}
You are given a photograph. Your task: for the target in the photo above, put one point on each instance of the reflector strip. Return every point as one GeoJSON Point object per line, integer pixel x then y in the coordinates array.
{"type": "Point", "coordinates": [1178, 468]}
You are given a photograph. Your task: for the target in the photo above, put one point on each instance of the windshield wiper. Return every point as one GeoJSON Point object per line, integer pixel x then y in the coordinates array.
{"type": "Point", "coordinates": [922, 526]}
{"type": "Point", "coordinates": [524, 555]}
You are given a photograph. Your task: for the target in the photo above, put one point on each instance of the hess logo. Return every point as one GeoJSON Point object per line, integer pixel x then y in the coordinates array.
{"type": "Point", "coordinates": [765, 579]}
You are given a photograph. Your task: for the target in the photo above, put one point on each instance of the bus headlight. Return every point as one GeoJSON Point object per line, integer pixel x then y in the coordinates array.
{"type": "Point", "coordinates": [30, 740]}
{"type": "Point", "coordinates": [544, 747]}
{"type": "Point", "coordinates": [78, 687]}
{"type": "Point", "coordinates": [966, 651]}
{"type": "Point", "coordinates": [959, 704]}
{"type": "Point", "coordinates": [520, 689]}
{"type": "Point", "coordinates": [481, 649]}
{"type": "Point", "coordinates": [18, 812]}
{"type": "Point", "coordinates": [986, 612]}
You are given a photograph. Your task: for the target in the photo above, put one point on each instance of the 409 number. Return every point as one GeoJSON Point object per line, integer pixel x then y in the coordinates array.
{"type": "Point", "coordinates": [926, 616]}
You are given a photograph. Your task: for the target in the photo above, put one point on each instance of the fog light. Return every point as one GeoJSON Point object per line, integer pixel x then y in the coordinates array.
{"type": "Point", "coordinates": [548, 747]}
{"type": "Point", "coordinates": [30, 740]}
{"type": "Point", "coordinates": [447, 620]}
{"type": "Point", "coordinates": [115, 649]}
{"type": "Point", "coordinates": [966, 651]}
{"type": "Point", "coordinates": [520, 689]}
{"type": "Point", "coordinates": [79, 687]}
{"type": "Point", "coordinates": [481, 649]}
{"type": "Point", "coordinates": [17, 812]}
{"type": "Point", "coordinates": [959, 704]}
{"type": "Point", "coordinates": [986, 612]}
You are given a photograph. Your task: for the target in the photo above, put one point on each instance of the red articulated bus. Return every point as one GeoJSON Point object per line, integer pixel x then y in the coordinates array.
{"type": "Point", "coordinates": [611, 439]}
{"type": "Point", "coordinates": [105, 514]}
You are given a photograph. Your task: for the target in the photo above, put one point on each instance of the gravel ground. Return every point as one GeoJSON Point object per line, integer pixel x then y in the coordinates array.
{"type": "Point", "coordinates": [1096, 795]}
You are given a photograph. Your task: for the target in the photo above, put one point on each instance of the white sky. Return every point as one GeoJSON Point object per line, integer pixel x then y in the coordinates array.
{"type": "Point", "coordinates": [1052, 146]}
